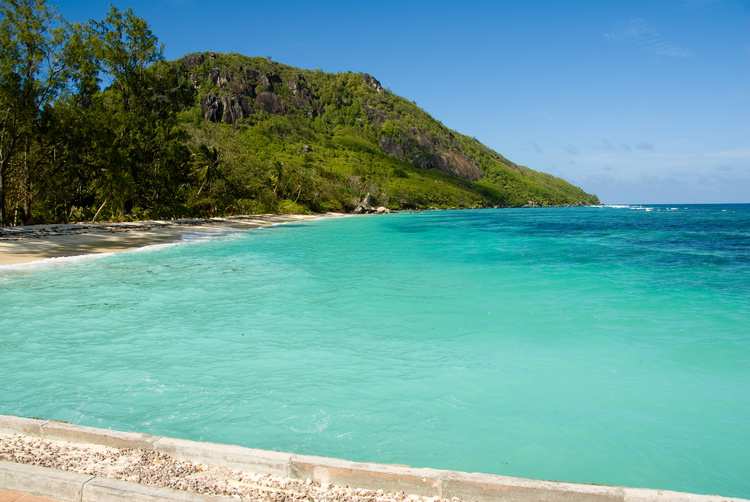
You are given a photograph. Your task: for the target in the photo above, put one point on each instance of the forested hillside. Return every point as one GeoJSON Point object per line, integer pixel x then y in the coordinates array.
{"type": "Point", "coordinates": [96, 125]}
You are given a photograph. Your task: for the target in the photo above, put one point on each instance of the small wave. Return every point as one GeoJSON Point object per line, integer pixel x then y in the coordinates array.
{"type": "Point", "coordinates": [152, 247]}
{"type": "Point", "coordinates": [630, 206]}
{"type": "Point", "coordinates": [638, 207]}
{"type": "Point", "coordinates": [49, 263]}
{"type": "Point", "coordinates": [205, 235]}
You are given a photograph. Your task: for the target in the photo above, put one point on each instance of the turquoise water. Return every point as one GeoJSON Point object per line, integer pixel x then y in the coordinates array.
{"type": "Point", "coordinates": [598, 345]}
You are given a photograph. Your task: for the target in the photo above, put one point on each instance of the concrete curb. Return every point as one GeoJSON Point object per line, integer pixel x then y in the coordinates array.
{"type": "Point", "coordinates": [42, 482]}
{"type": "Point", "coordinates": [115, 490]}
{"type": "Point", "coordinates": [75, 487]}
{"type": "Point", "coordinates": [71, 486]}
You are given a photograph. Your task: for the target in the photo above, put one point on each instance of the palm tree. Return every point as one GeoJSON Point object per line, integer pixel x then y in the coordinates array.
{"type": "Point", "coordinates": [207, 165]}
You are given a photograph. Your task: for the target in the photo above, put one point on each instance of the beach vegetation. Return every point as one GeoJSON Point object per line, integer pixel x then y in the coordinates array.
{"type": "Point", "coordinates": [96, 125]}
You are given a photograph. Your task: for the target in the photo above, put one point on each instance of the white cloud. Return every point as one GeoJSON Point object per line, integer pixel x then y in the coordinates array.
{"type": "Point", "coordinates": [651, 159]}
{"type": "Point", "coordinates": [645, 146]}
{"type": "Point", "coordinates": [732, 154]}
{"type": "Point", "coordinates": [659, 187]}
{"type": "Point", "coordinates": [639, 32]}
{"type": "Point", "coordinates": [658, 175]}
{"type": "Point", "coordinates": [572, 150]}
{"type": "Point", "coordinates": [533, 147]}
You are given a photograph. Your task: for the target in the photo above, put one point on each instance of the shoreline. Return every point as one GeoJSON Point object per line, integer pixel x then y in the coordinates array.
{"type": "Point", "coordinates": [26, 244]}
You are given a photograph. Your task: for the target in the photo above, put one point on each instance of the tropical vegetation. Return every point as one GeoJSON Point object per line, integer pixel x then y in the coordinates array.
{"type": "Point", "coordinates": [95, 124]}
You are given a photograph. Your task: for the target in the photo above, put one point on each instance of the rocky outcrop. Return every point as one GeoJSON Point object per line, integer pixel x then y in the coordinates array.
{"type": "Point", "coordinates": [376, 116]}
{"type": "Point", "coordinates": [218, 78]}
{"type": "Point", "coordinates": [392, 147]}
{"type": "Point", "coordinates": [212, 108]}
{"type": "Point", "coordinates": [365, 207]}
{"type": "Point", "coordinates": [227, 109]}
{"type": "Point", "coordinates": [243, 92]}
{"type": "Point", "coordinates": [427, 152]}
{"type": "Point", "coordinates": [265, 83]}
{"type": "Point", "coordinates": [293, 86]}
{"type": "Point", "coordinates": [235, 108]}
{"type": "Point", "coordinates": [193, 60]}
{"type": "Point", "coordinates": [459, 165]}
{"type": "Point", "coordinates": [373, 82]}
{"type": "Point", "coordinates": [252, 75]}
{"type": "Point", "coordinates": [269, 103]}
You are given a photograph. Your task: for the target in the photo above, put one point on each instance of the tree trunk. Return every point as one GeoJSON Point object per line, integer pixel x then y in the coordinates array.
{"type": "Point", "coordinates": [98, 210]}
{"type": "Point", "coordinates": [2, 195]}
{"type": "Point", "coordinates": [3, 164]}
{"type": "Point", "coordinates": [27, 219]}
{"type": "Point", "coordinates": [27, 194]}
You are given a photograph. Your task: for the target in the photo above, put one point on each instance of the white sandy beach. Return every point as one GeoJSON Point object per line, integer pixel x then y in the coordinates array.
{"type": "Point", "coordinates": [39, 242]}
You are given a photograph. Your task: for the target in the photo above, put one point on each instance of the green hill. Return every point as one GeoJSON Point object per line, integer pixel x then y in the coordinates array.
{"type": "Point", "coordinates": [270, 137]}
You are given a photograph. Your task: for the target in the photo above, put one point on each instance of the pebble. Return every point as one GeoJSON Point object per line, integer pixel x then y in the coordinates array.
{"type": "Point", "coordinates": [158, 469]}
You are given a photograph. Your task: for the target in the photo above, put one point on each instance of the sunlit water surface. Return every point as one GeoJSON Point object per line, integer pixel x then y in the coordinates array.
{"type": "Point", "coordinates": [598, 345]}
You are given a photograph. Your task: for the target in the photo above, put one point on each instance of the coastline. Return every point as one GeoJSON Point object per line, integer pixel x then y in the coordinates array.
{"type": "Point", "coordinates": [26, 244]}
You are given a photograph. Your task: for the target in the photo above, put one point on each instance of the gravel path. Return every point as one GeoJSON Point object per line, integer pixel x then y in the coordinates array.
{"type": "Point", "coordinates": [158, 469]}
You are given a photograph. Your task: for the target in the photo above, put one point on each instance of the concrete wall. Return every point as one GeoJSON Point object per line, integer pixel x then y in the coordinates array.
{"type": "Point", "coordinates": [69, 486]}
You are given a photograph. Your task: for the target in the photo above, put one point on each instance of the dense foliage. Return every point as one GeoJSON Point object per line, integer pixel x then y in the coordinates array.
{"type": "Point", "coordinates": [94, 124]}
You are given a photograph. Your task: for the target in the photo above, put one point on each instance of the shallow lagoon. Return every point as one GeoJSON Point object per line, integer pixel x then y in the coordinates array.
{"type": "Point", "coordinates": [598, 345]}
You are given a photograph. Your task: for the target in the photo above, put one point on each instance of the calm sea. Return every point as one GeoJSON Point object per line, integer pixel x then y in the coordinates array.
{"type": "Point", "coordinates": [599, 345]}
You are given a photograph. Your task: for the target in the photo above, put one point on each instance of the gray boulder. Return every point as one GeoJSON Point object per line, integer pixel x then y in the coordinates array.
{"type": "Point", "coordinates": [364, 207]}
{"type": "Point", "coordinates": [193, 60]}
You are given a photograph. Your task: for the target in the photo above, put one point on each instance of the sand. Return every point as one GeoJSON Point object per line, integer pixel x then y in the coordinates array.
{"type": "Point", "coordinates": [38, 242]}
{"type": "Point", "coordinates": [157, 469]}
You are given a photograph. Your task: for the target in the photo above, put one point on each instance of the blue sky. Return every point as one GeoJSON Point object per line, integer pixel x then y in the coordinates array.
{"type": "Point", "coordinates": [635, 101]}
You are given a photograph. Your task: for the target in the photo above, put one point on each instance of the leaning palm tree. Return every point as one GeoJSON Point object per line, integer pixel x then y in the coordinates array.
{"type": "Point", "coordinates": [207, 165]}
